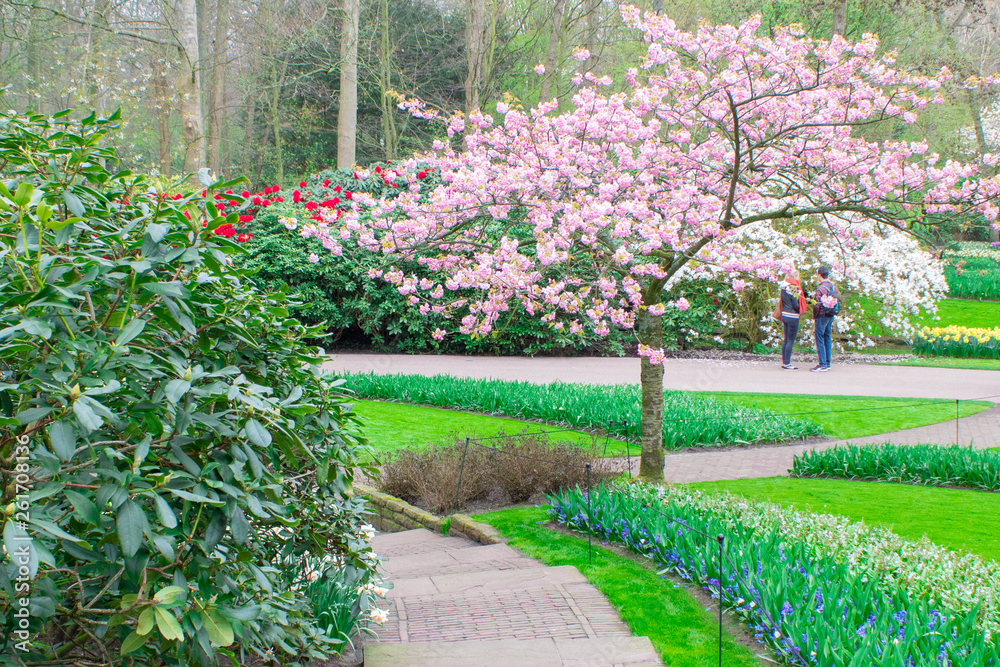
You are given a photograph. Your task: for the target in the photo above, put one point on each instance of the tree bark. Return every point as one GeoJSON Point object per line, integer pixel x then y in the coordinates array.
{"type": "Point", "coordinates": [651, 382]}
{"type": "Point", "coordinates": [390, 138]}
{"type": "Point", "coordinates": [203, 8]}
{"type": "Point", "coordinates": [160, 94]}
{"type": "Point", "coordinates": [551, 55]}
{"type": "Point", "coordinates": [475, 29]}
{"type": "Point", "coordinates": [248, 131]}
{"type": "Point", "coordinates": [189, 87]}
{"type": "Point", "coordinates": [218, 90]}
{"type": "Point", "coordinates": [32, 53]}
{"type": "Point", "coordinates": [839, 17]}
{"type": "Point", "coordinates": [593, 45]}
{"type": "Point", "coordinates": [277, 85]}
{"type": "Point", "coordinates": [347, 117]}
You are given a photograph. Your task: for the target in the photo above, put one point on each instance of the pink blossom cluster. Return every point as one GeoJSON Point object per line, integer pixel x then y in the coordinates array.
{"type": "Point", "coordinates": [585, 215]}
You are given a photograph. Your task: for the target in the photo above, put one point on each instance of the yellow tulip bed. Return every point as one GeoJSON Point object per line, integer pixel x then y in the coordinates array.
{"type": "Point", "coordinates": [956, 341]}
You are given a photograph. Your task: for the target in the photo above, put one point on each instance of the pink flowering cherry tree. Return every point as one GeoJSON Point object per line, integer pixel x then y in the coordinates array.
{"type": "Point", "coordinates": [584, 215]}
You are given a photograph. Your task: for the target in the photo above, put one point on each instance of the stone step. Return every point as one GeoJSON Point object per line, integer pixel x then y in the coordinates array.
{"type": "Point", "coordinates": [417, 541]}
{"type": "Point", "coordinates": [478, 583]}
{"type": "Point", "coordinates": [456, 561]}
{"type": "Point", "coordinates": [601, 652]}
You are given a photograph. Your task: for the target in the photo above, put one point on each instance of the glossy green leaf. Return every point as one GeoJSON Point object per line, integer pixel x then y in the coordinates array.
{"type": "Point", "coordinates": [130, 523]}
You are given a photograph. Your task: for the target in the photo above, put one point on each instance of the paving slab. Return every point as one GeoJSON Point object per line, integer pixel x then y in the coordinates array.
{"type": "Point", "coordinates": [477, 583]}
{"type": "Point", "coordinates": [456, 561]}
{"type": "Point", "coordinates": [415, 542]}
{"type": "Point", "coordinates": [606, 652]}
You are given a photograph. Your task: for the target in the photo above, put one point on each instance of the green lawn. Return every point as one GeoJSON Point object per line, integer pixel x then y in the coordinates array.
{"type": "Point", "coordinates": [965, 313]}
{"type": "Point", "coordinates": [959, 519]}
{"type": "Point", "coordinates": [950, 362]}
{"type": "Point", "coordinates": [390, 426]}
{"type": "Point", "coordinates": [857, 416]}
{"type": "Point", "coordinates": [684, 633]}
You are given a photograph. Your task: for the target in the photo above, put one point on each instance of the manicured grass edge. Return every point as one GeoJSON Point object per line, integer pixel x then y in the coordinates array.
{"type": "Point", "coordinates": [682, 631]}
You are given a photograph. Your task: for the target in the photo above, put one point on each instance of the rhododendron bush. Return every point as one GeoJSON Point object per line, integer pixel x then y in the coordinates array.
{"type": "Point", "coordinates": [591, 211]}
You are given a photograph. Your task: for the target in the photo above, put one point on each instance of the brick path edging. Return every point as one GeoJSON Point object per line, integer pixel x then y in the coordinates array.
{"type": "Point", "coordinates": [393, 515]}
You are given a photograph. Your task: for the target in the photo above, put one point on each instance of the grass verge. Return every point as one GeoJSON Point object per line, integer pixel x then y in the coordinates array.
{"type": "Point", "coordinates": [964, 313]}
{"type": "Point", "coordinates": [689, 420]}
{"type": "Point", "coordinates": [391, 426]}
{"type": "Point", "coordinates": [949, 362]}
{"type": "Point", "coordinates": [858, 416]}
{"type": "Point", "coordinates": [682, 631]}
{"type": "Point", "coordinates": [959, 519]}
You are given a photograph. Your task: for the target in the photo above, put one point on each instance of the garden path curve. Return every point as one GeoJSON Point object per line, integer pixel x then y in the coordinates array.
{"type": "Point", "coordinates": [455, 602]}
{"type": "Point", "coordinates": [693, 374]}
{"type": "Point", "coordinates": [980, 430]}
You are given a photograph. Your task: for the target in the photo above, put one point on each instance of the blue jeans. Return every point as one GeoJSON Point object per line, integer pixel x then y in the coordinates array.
{"type": "Point", "coordinates": [791, 331]}
{"type": "Point", "coordinates": [824, 344]}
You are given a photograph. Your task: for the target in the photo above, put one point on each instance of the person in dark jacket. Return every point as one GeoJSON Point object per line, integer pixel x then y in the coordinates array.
{"type": "Point", "coordinates": [824, 310]}
{"type": "Point", "coordinates": [793, 306]}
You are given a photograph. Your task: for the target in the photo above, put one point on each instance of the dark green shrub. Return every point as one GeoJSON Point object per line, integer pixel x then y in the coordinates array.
{"type": "Point", "coordinates": [355, 309]}
{"type": "Point", "coordinates": [170, 454]}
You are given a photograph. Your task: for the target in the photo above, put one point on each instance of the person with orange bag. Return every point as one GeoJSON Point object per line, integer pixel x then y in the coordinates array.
{"type": "Point", "coordinates": [793, 306]}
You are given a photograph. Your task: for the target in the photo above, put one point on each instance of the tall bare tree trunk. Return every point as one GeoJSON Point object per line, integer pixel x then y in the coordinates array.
{"type": "Point", "coordinates": [839, 17]}
{"type": "Point", "coordinates": [218, 91]}
{"type": "Point", "coordinates": [347, 118]}
{"type": "Point", "coordinates": [162, 97]}
{"type": "Point", "coordinates": [278, 73]}
{"type": "Point", "coordinates": [593, 44]}
{"type": "Point", "coordinates": [475, 29]}
{"type": "Point", "coordinates": [390, 137]}
{"type": "Point", "coordinates": [204, 12]}
{"type": "Point", "coordinates": [189, 87]}
{"type": "Point", "coordinates": [651, 381]}
{"type": "Point", "coordinates": [32, 53]}
{"type": "Point", "coordinates": [552, 53]}
{"type": "Point", "coordinates": [248, 131]}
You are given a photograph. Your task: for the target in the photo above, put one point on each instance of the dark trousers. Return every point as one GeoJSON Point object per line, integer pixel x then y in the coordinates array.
{"type": "Point", "coordinates": [824, 341]}
{"type": "Point", "coordinates": [791, 331]}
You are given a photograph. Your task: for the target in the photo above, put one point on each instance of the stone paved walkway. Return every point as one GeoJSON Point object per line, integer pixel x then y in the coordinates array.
{"type": "Point", "coordinates": [455, 602]}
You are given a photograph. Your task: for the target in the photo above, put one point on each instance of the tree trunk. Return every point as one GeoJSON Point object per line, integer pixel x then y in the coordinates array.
{"type": "Point", "coordinates": [475, 28]}
{"type": "Point", "coordinates": [839, 17]}
{"type": "Point", "coordinates": [651, 382]}
{"type": "Point", "coordinates": [160, 94]}
{"type": "Point", "coordinates": [203, 8]}
{"type": "Point", "coordinates": [390, 137]}
{"type": "Point", "coordinates": [189, 87]}
{"type": "Point", "coordinates": [218, 90]}
{"type": "Point", "coordinates": [277, 85]}
{"type": "Point", "coordinates": [593, 45]}
{"type": "Point", "coordinates": [248, 130]}
{"type": "Point", "coordinates": [33, 58]}
{"type": "Point", "coordinates": [347, 118]}
{"type": "Point", "coordinates": [551, 55]}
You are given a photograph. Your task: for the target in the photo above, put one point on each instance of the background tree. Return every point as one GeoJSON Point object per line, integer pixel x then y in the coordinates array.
{"type": "Point", "coordinates": [591, 213]}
